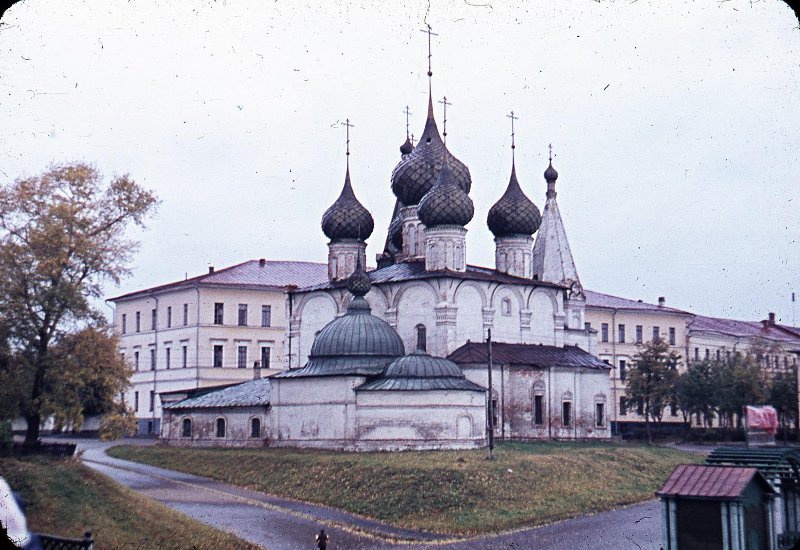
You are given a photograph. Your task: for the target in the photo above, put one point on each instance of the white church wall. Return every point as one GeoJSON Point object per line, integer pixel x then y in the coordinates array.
{"type": "Point", "coordinates": [400, 420]}
{"type": "Point", "coordinates": [469, 320]}
{"type": "Point", "coordinates": [543, 306]}
{"type": "Point", "coordinates": [238, 427]}
{"type": "Point", "coordinates": [507, 303]}
{"type": "Point", "coordinates": [315, 311]}
{"type": "Point", "coordinates": [415, 306]}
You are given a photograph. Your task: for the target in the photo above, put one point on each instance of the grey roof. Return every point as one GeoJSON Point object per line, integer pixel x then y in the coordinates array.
{"type": "Point", "coordinates": [535, 355]}
{"type": "Point", "coordinates": [420, 372]}
{"type": "Point", "coordinates": [745, 329]}
{"type": "Point", "coordinates": [514, 213]}
{"type": "Point", "coordinates": [446, 203]}
{"type": "Point", "coordinates": [607, 301]}
{"type": "Point", "coordinates": [356, 343]}
{"type": "Point", "coordinates": [409, 271]}
{"type": "Point", "coordinates": [274, 274]}
{"type": "Point", "coordinates": [247, 394]}
{"type": "Point", "coordinates": [347, 218]}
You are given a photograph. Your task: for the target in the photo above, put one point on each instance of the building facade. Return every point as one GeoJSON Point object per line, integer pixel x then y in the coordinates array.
{"type": "Point", "coordinates": [205, 331]}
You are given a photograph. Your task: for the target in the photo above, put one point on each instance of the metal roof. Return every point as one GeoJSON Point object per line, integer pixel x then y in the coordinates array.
{"type": "Point", "coordinates": [254, 393]}
{"type": "Point", "coordinates": [717, 482]}
{"type": "Point", "coordinates": [409, 271]}
{"type": "Point", "coordinates": [272, 273]}
{"type": "Point", "coordinates": [744, 329]}
{"type": "Point", "coordinates": [419, 384]}
{"type": "Point", "coordinates": [607, 301]}
{"type": "Point", "coordinates": [528, 354]}
{"type": "Point", "coordinates": [777, 464]}
{"type": "Point", "coordinates": [419, 372]}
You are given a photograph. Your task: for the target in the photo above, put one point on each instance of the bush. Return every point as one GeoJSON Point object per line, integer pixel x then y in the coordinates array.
{"type": "Point", "coordinates": [6, 437]}
{"type": "Point", "coordinates": [117, 425]}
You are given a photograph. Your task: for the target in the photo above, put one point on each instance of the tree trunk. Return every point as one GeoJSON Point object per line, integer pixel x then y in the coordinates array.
{"type": "Point", "coordinates": [647, 424]}
{"type": "Point", "coordinates": [32, 432]}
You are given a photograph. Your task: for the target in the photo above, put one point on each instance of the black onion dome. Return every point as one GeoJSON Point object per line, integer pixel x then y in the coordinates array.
{"type": "Point", "coordinates": [446, 203]}
{"type": "Point", "coordinates": [396, 232]}
{"type": "Point", "coordinates": [406, 148]}
{"type": "Point", "coordinates": [416, 174]}
{"type": "Point", "coordinates": [358, 283]}
{"type": "Point", "coordinates": [514, 213]}
{"type": "Point", "coordinates": [347, 218]}
{"type": "Point", "coordinates": [550, 174]}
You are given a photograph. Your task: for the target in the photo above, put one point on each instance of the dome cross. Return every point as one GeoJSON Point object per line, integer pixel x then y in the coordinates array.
{"type": "Point", "coordinates": [347, 125]}
{"type": "Point", "coordinates": [513, 145]}
{"type": "Point", "coordinates": [430, 33]}
{"type": "Point", "coordinates": [445, 103]}
{"type": "Point", "coordinates": [408, 114]}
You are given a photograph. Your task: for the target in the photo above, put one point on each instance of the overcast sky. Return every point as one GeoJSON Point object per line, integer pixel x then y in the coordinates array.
{"type": "Point", "coordinates": [674, 126]}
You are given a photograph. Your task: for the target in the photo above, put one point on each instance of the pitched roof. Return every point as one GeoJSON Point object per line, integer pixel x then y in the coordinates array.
{"type": "Point", "coordinates": [536, 355]}
{"type": "Point", "coordinates": [775, 463]}
{"type": "Point", "coordinates": [271, 274]}
{"type": "Point", "coordinates": [744, 329]}
{"type": "Point", "coordinates": [254, 393]}
{"type": "Point", "coordinates": [552, 257]}
{"type": "Point", "coordinates": [408, 271]}
{"type": "Point", "coordinates": [607, 301]}
{"type": "Point", "coordinates": [726, 482]}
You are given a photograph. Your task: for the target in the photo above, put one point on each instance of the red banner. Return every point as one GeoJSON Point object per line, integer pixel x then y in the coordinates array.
{"type": "Point", "coordinates": [762, 418]}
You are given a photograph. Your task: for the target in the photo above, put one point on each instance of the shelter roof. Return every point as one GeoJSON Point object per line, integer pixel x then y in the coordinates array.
{"type": "Point", "coordinates": [607, 301]}
{"type": "Point", "coordinates": [714, 482]}
{"type": "Point", "coordinates": [252, 273]}
{"type": "Point", "coordinates": [536, 355]}
{"type": "Point", "coordinates": [254, 393]}
{"type": "Point", "coordinates": [777, 464]}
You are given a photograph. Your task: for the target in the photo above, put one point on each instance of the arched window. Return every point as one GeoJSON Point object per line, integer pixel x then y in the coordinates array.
{"type": "Point", "coordinates": [220, 427]}
{"type": "Point", "coordinates": [187, 427]}
{"type": "Point", "coordinates": [505, 306]}
{"type": "Point", "coordinates": [422, 343]}
{"type": "Point", "coordinates": [255, 427]}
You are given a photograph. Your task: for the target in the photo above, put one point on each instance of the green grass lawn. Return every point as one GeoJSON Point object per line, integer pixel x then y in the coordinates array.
{"type": "Point", "coordinates": [65, 498]}
{"type": "Point", "coordinates": [446, 491]}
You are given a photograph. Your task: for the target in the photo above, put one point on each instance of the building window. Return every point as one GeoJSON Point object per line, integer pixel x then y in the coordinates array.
{"type": "Point", "coordinates": [266, 316]}
{"type": "Point", "coordinates": [187, 428]}
{"type": "Point", "coordinates": [776, 361]}
{"type": "Point", "coordinates": [639, 332]}
{"type": "Point", "coordinates": [708, 354]}
{"type": "Point", "coordinates": [220, 427]}
{"type": "Point", "coordinates": [184, 356]}
{"type": "Point", "coordinates": [494, 411]}
{"type": "Point", "coordinates": [153, 319]}
{"type": "Point", "coordinates": [138, 321]}
{"type": "Point", "coordinates": [673, 409]}
{"type": "Point", "coordinates": [124, 323]}
{"type": "Point", "coordinates": [505, 307]}
{"type": "Point", "coordinates": [640, 408]}
{"type": "Point", "coordinates": [696, 354]}
{"type": "Point", "coordinates": [152, 401]}
{"type": "Point", "coordinates": [185, 314]}
{"type": "Point", "coordinates": [169, 316]}
{"type": "Point", "coordinates": [422, 343]}
{"type": "Point", "coordinates": [623, 369]}
{"type": "Point", "coordinates": [604, 332]}
{"type": "Point", "coordinates": [136, 401]}
{"type": "Point", "coordinates": [241, 357]}
{"type": "Point", "coordinates": [242, 315]}
{"type": "Point", "coordinates": [255, 427]}
{"type": "Point", "coordinates": [152, 358]}
{"type": "Point", "coordinates": [566, 413]}
{"type": "Point", "coordinates": [623, 406]}
{"type": "Point", "coordinates": [265, 353]}
{"type": "Point", "coordinates": [538, 410]}
{"type": "Point", "coordinates": [621, 333]}
{"type": "Point", "coordinates": [136, 360]}
{"type": "Point", "coordinates": [671, 336]}
{"type": "Point", "coordinates": [168, 357]}
{"type": "Point", "coordinates": [218, 313]}
{"type": "Point", "coordinates": [656, 333]}
{"type": "Point", "coordinates": [217, 356]}
{"type": "Point", "coordinates": [718, 355]}
{"type": "Point", "coordinates": [587, 326]}
{"type": "Point", "coordinates": [599, 415]}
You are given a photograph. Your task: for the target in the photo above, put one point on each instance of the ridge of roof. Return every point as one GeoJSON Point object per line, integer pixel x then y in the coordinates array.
{"type": "Point", "coordinates": [751, 329]}
{"type": "Point", "coordinates": [538, 355]}
{"type": "Point", "coordinates": [609, 301]}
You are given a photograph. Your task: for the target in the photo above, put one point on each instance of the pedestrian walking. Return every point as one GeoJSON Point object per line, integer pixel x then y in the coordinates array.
{"type": "Point", "coordinates": [322, 540]}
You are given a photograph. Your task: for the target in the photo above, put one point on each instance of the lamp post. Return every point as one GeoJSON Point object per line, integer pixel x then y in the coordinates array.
{"type": "Point", "coordinates": [490, 407]}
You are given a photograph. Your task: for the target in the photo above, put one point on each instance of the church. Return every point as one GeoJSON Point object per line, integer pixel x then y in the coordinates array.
{"type": "Point", "coordinates": [348, 337]}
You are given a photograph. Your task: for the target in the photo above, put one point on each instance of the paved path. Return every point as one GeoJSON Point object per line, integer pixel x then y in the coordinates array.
{"type": "Point", "coordinates": [277, 523]}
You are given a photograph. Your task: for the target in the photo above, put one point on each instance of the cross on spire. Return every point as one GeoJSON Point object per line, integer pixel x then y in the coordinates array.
{"type": "Point", "coordinates": [430, 33]}
{"type": "Point", "coordinates": [513, 145]}
{"type": "Point", "coordinates": [347, 125]}
{"type": "Point", "coordinates": [445, 103]}
{"type": "Point", "coordinates": [408, 114]}
{"type": "Point", "coordinates": [550, 146]}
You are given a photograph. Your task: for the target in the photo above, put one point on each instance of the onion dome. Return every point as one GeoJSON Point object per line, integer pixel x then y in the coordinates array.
{"type": "Point", "coordinates": [406, 148]}
{"type": "Point", "coordinates": [420, 371]}
{"type": "Point", "coordinates": [416, 174]}
{"type": "Point", "coordinates": [446, 203]}
{"type": "Point", "coordinates": [514, 213]}
{"type": "Point", "coordinates": [550, 174]}
{"type": "Point", "coordinates": [396, 232]}
{"type": "Point", "coordinates": [359, 283]}
{"type": "Point", "coordinates": [347, 218]}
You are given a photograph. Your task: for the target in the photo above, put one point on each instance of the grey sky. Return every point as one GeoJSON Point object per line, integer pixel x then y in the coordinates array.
{"type": "Point", "coordinates": [674, 126]}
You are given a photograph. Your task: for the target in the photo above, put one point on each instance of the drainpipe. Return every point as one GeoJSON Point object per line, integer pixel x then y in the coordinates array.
{"type": "Point", "coordinates": [549, 402]}
{"type": "Point", "coordinates": [155, 365]}
{"type": "Point", "coordinates": [197, 339]}
{"type": "Point", "coordinates": [289, 290]}
{"type": "Point", "coordinates": [613, 370]}
{"type": "Point", "coordinates": [502, 401]}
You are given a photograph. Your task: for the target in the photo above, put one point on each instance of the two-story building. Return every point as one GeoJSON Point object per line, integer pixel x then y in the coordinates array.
{"type": "Point", "coordinates": [206, 331]}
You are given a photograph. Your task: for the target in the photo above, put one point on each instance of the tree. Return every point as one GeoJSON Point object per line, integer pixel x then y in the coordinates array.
{"type": "Point", "coordinates": [783, 396]}
{"type": "Point", "coordinates": [651, 380]}
{"type": "Point", "coordinates": [694, 390]}
{"type": "Point", "coordinates": [738, 381]}
{"type": "Point", "coordinates": [62, 235]}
